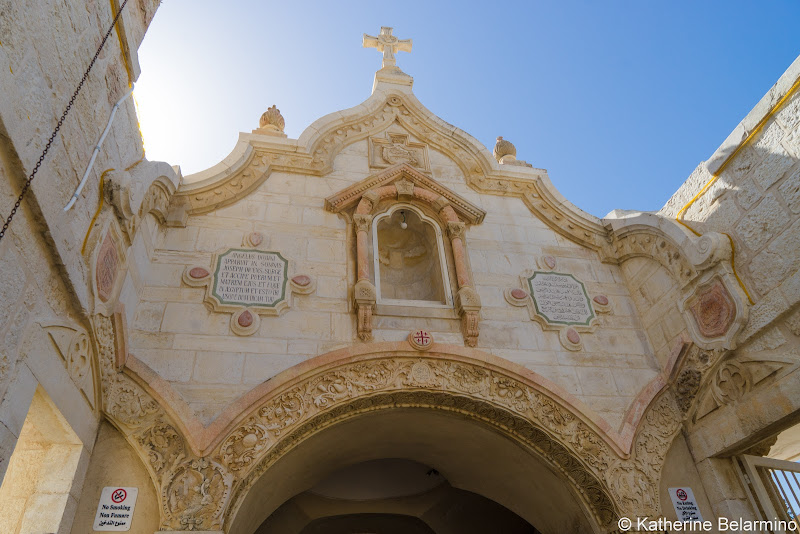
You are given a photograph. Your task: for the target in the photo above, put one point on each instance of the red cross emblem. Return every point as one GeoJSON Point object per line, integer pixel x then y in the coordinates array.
{"type": "Point", "coordinates": [422, 337]}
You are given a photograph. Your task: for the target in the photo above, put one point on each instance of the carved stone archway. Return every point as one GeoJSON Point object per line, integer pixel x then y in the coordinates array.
{"type": "Point", "coordinates": [438, 381]}
{"type": "Point", "coordinates": [203, 474]}
{"type": "Point", "coordinates": [476, 446]}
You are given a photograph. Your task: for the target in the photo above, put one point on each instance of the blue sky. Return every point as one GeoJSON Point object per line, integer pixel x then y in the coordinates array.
{"type": "Point", "coordinates": [618, 100]}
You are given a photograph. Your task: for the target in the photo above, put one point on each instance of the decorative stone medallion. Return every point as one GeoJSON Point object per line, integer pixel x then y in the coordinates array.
{"type": "Point", "coordinates": [421, 373]}
{"type": "Point", "coordinates": [714, 311]}
{"type": "Point", "coordinates": [245, 322]}
{"type": "Point", "coordinates": [195, 494]}
{"type": "Point", "coordinates": [302, 280]}
{"type": "Point", "coordinates": [199, 273]}
{"type": "Point", "coordinates": [570, 339]}
{"type": "Point", "coordinates": [519, 294]}
{"type": "Point", "coordinates": [420, 339]}
{"type": "Point", "coordinates": [560, 299]}
{"type": "Point", "coordinates": [601, 304]}
{"type": "Point", "coordinates": [106, 268]}
{"type": "Point", "coordinates": [252, 278]}
{"type": "Point", "coordinates": [254, 239]}
{"type": "Point", "coordinates": [547, 262]}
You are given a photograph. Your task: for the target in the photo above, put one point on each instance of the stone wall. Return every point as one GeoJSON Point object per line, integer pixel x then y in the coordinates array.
{"type": "Point", "coordinates": [176, 334]}
{"type": "Point", "coordinates": [656, 295]}
{"type": "Point", "coordinates": [754, 198]}
{"type": "Point", "coordinates": [756, 201]}
{"type": "Point", "coordinates": [114, 463]}
{"type": "Point", "coordinates": [45, 280]}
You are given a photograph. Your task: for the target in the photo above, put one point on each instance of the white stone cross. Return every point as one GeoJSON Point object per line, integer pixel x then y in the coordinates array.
{"type": "Point", "coordinates": [388, 44]}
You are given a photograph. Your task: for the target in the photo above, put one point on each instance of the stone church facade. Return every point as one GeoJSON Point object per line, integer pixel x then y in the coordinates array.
{"type": "Point", "coordinates": [380, 326]}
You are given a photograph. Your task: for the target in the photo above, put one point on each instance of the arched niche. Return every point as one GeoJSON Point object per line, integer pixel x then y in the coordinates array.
{"type": "Point", "coordinates": [401, 184]}
{"type": "Point", "coordinates": [409, 258]}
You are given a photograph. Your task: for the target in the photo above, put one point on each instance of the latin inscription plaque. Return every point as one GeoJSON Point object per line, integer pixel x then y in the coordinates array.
{"type": "Point", "coordinates": [247, 277]}
{"type": "Point", "coordinates": [560, 299]}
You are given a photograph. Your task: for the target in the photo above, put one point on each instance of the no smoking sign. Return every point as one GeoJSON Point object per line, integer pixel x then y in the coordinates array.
{"type": "Point", "coordinates": [685, 505]}
{"type": "Point", "coordinates": [115, 509]}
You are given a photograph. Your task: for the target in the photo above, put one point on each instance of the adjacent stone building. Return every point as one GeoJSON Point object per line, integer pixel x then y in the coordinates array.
{"type": "Point", "coordinates": [380, 326]}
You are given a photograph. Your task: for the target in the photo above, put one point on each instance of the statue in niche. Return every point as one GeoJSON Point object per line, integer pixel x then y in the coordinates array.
{"type": "Point", "coordinates": [409, 266]}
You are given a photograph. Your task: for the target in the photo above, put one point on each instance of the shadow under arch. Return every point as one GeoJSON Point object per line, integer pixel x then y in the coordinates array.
{"type": "Point", "coordinates": [479, 448]}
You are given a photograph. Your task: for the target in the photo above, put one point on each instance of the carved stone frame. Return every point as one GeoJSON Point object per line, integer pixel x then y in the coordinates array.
{"type": "Point", "coordinates": [404, 183]}
{"type": "Point", "coordinates": [568, 334]}
{"type": "Point", "coordinates": [718, 288]}
{"type": "Point", "coordinates": [246, 319]}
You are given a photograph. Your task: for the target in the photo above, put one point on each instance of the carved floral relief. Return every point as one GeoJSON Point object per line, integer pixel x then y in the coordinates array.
{"type": "Point", "coordinates": [195, 492]}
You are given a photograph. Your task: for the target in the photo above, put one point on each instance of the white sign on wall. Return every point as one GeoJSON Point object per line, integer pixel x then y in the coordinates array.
{"type": "Point", "coordinates": [245, 277]}
{"type": "Point", "coordinates": [685, 504]}
{"type": "Point", "coordinates": [115, 509]}
{"type": "Point", "coordinates": [560, 298]}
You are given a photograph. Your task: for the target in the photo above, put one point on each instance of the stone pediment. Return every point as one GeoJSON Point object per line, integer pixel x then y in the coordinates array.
{"type": "Point", "coordinates": [403, 173]}
{"type": "Point", "coordinates": [256, 157]}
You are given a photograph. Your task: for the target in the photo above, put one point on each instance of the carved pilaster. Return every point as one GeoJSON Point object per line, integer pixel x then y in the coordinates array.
{"type": "Point", "coordinates": [362, 223]}
{"type": "Point", "coordinates": [455, 229]}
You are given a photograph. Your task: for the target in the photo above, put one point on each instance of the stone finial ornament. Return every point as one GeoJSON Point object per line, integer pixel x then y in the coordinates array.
{"type": "Point", "coordinates": [506, 153]}
{"type": "Point", "coordinates": [271, 122]}
{"type": "Point", "coordinates": [504, 148]}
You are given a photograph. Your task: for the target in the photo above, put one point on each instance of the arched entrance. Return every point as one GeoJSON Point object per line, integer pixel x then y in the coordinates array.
{"type": "Point", "coordinates": [489, 427]}
{"type": "Point", "coordinates": [485, 429]}
{"type": "Point", "coordinates": [470, 455]}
